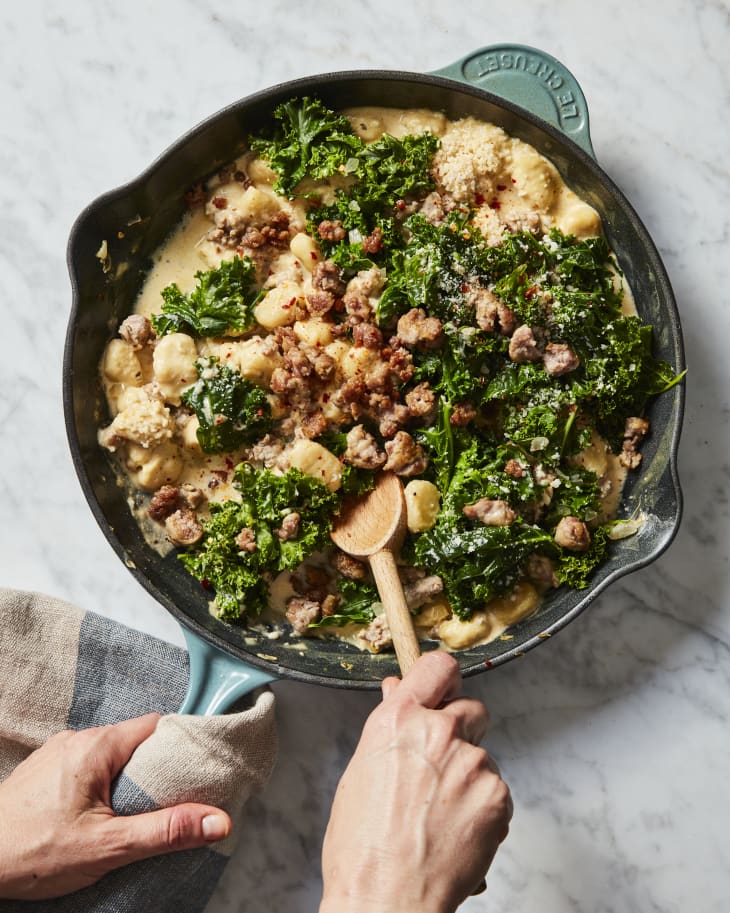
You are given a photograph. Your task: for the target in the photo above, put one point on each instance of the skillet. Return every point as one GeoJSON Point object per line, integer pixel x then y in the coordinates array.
{"type": "Point", "coordinates": [532, 96]}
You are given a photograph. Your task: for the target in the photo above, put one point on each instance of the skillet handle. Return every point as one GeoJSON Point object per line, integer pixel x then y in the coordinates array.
{"type": "Point", "coordinates": [531, 79]}
{"type": "Point", "coordinates": [217, 680]}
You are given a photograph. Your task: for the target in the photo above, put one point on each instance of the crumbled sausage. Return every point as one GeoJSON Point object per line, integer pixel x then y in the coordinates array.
{"type": "Point", "coordinates": [572, 533]}
{"type": "Point", "coordinates": [367, 282]}
{"type": "Point", "coordinates": [514, 468]}
{"type": "Point", "coordinates": [191, 496]}
{"type": "Point", "coordinates": [324, 365]}
{"type": "Point", "coordinates": [373, 244]}
{"type": "Point", "coordinates": [329, 604]}
{"type": "Point", "coordinates": [559, 359]}
{"type": "Point", "coordinates": [276, 232]}
{"type": "Point", "coordinates": [400, 362]}
{"type": "Point", "coordinates": [462, 414]}
{"type": "Point", "coordinates": [294, 390]}
{"type": "Point", "coordinates": [415, 329]}
{"type": "Point", "coordinates": [350, 567]}
{"type": "Point", "coordinates": [314, 425]}
{"type": "Point", "coordinates": [163, 502]}
{"type": "Point", "coordinates": [377, 634]}
{"type": "Point", "coordinates": [392, 419]}
{"type": "Point", "coordinates": [302, 612]}
{"type": "Point", "coordinates": [331, 231]}
{"type": "Point", "coordinates": [327, 277]}
{"type": "Point", "coordinates": [136, 330]}
{"type": "Point", "coordinates": [246, 540]}
{"type": "Point", "coordinates": [523, 347]}
{"type": "Point", "coordinates": [285, 339]}
{"type": "Point", "coordinates": [491, 313]}
{"type": "Point", "coordinates": [367, 335]}
{"type": "Point", "coordinates": [182, 528]}
{"type": "Point", "coordinates": [420, 591]}
{"type": "Point", "coordinates": [490, 512]}
{"type": "Point", "coordinates": [289, 526]}
{"type": "Point", "coordinates": [357, 306]}
{"type": "Point", "coordinates": [297, 363]}
{"type": "Point", "coordinates": [421, 402]}
{"type": "Point", "coordinates": [405, 456]}
{"type": "Point", "coordinates": [320, 303]}
{"type": "Point", "coordinates": [362, 449]}
{"type": "Point", "coordinates": [635, 431]}
{"type": "Point", "coordinates": [267, 451]}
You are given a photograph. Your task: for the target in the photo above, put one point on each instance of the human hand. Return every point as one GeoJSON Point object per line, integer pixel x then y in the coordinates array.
{"type": "Point", "coordinates": [420, 810]}
{"type": "Point", "coordinates": [58, 832]}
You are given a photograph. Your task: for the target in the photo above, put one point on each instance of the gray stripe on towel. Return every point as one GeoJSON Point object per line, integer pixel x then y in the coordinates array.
{"type": "Point", "coordinates": [122, 673]}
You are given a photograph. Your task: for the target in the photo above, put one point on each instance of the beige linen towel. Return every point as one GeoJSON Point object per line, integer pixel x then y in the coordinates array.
{"type": "Point", "coordinates": [62, 668]}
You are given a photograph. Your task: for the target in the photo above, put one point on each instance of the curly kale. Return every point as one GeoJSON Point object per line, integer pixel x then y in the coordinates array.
{"type": "Point", "coordinates": [231, 410]}
{"type": "Point", "coordinates": [311, 141]}
{"type": "Point", "coordinates": [222, 302]}
{"type": "Point", "coordinates": [240, 577]}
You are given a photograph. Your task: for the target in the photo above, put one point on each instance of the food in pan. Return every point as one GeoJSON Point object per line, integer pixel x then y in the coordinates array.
{"type": "Point", "coordinates": [382, 290]}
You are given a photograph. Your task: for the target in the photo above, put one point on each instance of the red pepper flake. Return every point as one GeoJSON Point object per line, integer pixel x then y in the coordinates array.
{"type": "Point", "coordinates": [501, 187]}
{"type": "Point", "coordinates": [290, 303]}
{"type": "Point", "coordinates": [514, 180]}
{"type": "Point", "coordinates": [479, 198]}
{"type": "Point", "coordinates": [314, 255]}
{"type": "Point", "coordinates": [488, 663]}
{"type": "Point", "coordinates": [400, 205]}
{"type": "Point", "coordinates": [205, 583]}
{"type": "Point", "coordinates": [532, 291]}
{"type": "Point", "coordinates": [325, 397]}
{"type": "Point", "coordinates": [495, 204]}
{"type": "Point", "coordinates": [229, 463]}
{"type": "Point", "coordinates": [260, 413]}
{"type": "Point", "coordinates": [464, 287]}
{"type": "Point", "coordinates": [220, 202]}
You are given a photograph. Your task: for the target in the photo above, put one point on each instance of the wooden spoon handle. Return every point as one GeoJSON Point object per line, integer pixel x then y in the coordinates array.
{"type": "Point", "coordinates": [390, 590]}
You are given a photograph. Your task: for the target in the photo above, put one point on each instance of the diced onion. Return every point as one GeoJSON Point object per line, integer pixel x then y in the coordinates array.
{"type": "Point", "coordinates": [622, 529]}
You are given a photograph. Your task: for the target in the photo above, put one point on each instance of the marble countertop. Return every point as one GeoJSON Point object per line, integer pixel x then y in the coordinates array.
{"type": "Point", "coordinates": [614, 735]}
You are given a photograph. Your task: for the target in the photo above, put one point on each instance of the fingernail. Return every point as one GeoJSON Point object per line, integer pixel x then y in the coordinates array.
{"type": "Point", "coordinates": [215, 827]}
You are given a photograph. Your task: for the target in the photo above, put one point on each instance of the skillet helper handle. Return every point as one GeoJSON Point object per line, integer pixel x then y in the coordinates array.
{"type": "Point", "coordinates": [217, 680]}
{"type": "Point", "coordinates": [390, 590]}
{"type": "Point", "coordinates": [531, 79]}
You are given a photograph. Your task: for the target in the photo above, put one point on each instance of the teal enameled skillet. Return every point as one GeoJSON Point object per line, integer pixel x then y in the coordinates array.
{"type": "Point", "coordinates": [533, 97]}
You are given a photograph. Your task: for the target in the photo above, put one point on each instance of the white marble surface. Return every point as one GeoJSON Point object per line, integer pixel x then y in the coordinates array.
{"type": "Point", "coordinates": [613, 736]}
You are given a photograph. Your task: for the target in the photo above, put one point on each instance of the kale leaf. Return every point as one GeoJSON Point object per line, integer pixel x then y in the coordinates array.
{"type": "Point", "coordinates": [231, 410]}
{"type": "Point", "coordinates": [239, 577]}
{"type": "Point", "coordinates": [311, 141]}
{"type": "Point", "coordinates": [394, 169]}
{"type": "Point", "coordinates": [356, 605]}
{"type": "Point", "coordinates": [222, 302]}
{"type": "Point", "coordinates": [574, 569]}
{"type": "Point", "coordinates": [476, 564]}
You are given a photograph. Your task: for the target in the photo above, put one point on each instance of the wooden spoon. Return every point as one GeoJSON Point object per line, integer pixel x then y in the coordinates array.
{"type": "Point", "coordinates": [373, 527]}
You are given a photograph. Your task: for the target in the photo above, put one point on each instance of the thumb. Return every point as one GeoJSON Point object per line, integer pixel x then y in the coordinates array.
{"type": "Point", "coordinates": [180, 827]}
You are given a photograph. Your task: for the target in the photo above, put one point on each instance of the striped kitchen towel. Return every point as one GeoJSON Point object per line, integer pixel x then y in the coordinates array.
{"type": "Point", "coordinates": [62, 668]}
